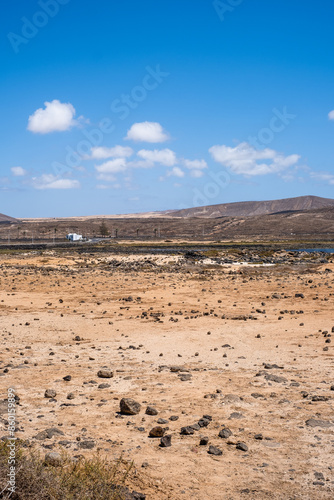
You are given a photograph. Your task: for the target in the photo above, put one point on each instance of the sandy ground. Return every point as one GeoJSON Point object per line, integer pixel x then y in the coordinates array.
{"type": "Point", "coordinates": [220, 325]}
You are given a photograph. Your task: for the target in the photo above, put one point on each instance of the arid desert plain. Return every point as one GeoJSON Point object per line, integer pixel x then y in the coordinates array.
{"type": "Point", "coordinates": [234, 360]}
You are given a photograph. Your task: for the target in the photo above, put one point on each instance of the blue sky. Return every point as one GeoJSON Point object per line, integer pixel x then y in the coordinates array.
{"type": "Point", "coordinates": [119, 107]}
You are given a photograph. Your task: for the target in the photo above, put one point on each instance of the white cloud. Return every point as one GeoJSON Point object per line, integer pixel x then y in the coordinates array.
{"type": "Point", "coordinates": [18, 171]}
{"type": "Point", "coordinates": [196, 173]}
{"type": "Point", "coordinates": [323, 176]}
{"type": "Point", "coordinates": [101, 153]}
{"type": "Point", "coordinates": [246, 160]}
{"type": "Point", "coordinates": [55, 117]}
{"type": "Point", "coordinates": [288, 177]}
{"type": "Point", "coordinates": [49, 181]}
{"type": "Point", "coordinates": [176, 172]}
{"type": "Point", "coordinates": [147, 132]}
{"type": "Point", "coordinates": [331, 115]}
{"type": "Point", "coordinates": [107, 170]}
{"type": "Point", "coordinates": [195, 164]}
{"type": "Point", "coordinates": [140, 164]}
{"type": "Point", "coordinates": [195, 167]}
{"type": "Point", "coordinates": [104, 186]}
{"type": "Point", "coordinates": [106, 177]}
{"type": "Point", "coordinates": [112, 166]}
{"type": "Point", "coordinates": [166, 157]}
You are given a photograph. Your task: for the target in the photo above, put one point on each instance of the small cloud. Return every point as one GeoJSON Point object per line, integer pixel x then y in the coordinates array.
{"type": "Point", "coordinates": [49, 181]}
{"type": "Point", "coordinates": [112, 166]}
{"type": "Point", "coordinates": [196, 173]}
{"type": "Point", "coordinates": [18, 171]}
{"type": "Point", "coordinates": [106, 177]}
{"type": "Point", "coordinates": [109, 186]}
{"type": "Point", "coordinates": [246, 160]}
{"type": "Point", "coordinates": [101, 153]}
{"type": "Point", "coordinates": [140, 164]}
{"type": "Point", "coordinates": [323, 176]}
{"type": "Point", "coordinates": [176, 172]}
{"type": "Point", "coordinates": [147, 132]}
{"type": "Point", "coordinates": [331, 115]}
{"type": "Point", "coordinates": [166, 157]}
{"type": "Point", "coordinates": [287, 177]}
{"type": "Point", "coordinates": [195, 164]}
{"type": "Point", "coordinates": [55, 117]}
{"type": "Point", "coordinates": [195, 167]}
{"type": "Point", "coordinates": [107, 169]}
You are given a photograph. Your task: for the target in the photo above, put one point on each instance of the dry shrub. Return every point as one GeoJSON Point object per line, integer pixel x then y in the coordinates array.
{"type": "Point", "coordinates": [94, 478]}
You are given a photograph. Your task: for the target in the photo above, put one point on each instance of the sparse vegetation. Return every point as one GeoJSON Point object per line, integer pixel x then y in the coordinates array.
{"type": "Point", "coordinates": [103, 229]}
{"type": "Point", "coordinates": [211, 253]}
{"type": "Point", "coordinates": [84, 478]}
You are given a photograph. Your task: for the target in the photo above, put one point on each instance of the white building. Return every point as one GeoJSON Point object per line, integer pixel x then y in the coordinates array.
{"type": "Point", "coordinates": [74, 237]}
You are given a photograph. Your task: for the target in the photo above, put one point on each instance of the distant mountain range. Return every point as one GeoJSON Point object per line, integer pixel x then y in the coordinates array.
{"type": "Point", "coordinates": [236, 209]}
{"type": "Point", "coordinates": [304, 217]}
{"type": "Point", "coordinates": [7, 219]}
{"type": "Point", "coordinates": [252, 208]}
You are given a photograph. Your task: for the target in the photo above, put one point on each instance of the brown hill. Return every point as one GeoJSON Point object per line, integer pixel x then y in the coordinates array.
{"type": "Point", "coordinates": [288, 225]}
{"type": "Point", "coordinates": [252, 208]}
{"type": "Point", "coordinates": [6, 219]}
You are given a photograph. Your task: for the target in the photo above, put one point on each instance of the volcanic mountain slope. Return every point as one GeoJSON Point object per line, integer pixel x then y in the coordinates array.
{"type": "Point", "coordinates": [289, 225]}
{"type": "Point", "coordinates": [7, 219]}
{"type": "Point", "coordinates": [251, 208]}
{"type": "Point", "coordinates": [316, 224]}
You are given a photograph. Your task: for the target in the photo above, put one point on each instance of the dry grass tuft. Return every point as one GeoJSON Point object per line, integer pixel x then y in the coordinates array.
{"type": "Point", "coordinates": [70, 480]}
